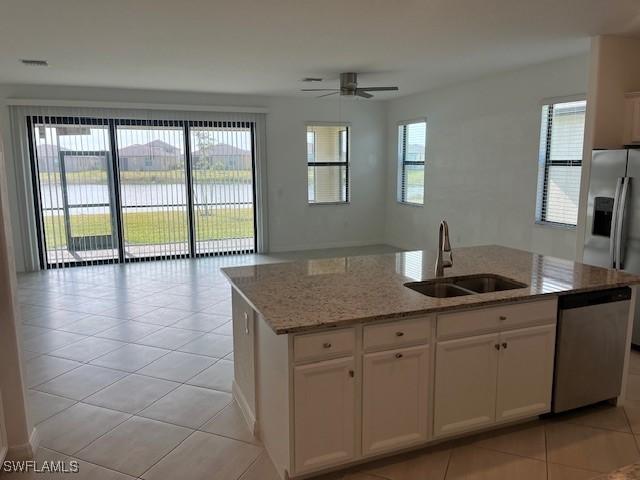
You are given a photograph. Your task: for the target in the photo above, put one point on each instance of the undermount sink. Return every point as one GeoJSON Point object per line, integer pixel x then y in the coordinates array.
{"type": "Point", "coordinates": [468, 285]}
{"type": "Point", "coordinates": [437, 289]}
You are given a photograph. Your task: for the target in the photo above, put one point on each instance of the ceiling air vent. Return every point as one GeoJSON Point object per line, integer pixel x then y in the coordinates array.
{"type": "Point", "coordinates": [34, 63]}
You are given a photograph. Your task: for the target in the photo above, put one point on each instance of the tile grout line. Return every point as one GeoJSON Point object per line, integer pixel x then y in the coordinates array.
{"type": "Point", "coordinates": [546, 451]}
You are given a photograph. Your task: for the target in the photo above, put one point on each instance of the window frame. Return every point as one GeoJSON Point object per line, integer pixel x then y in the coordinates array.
{"type": "Point", "coordinates": [346, 163]}
{"type": "Point", "coordinates": [402, 162]}
{"type": "Point", "coordinates": [544, 162]}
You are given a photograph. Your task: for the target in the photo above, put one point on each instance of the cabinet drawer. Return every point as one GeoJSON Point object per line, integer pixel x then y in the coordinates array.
{"type": "Point", "coordinates": [321, 345]}
{"type": "Point", "coordinates": [397, 333]}
{"type": "Point", "coordinates": [491, 319]}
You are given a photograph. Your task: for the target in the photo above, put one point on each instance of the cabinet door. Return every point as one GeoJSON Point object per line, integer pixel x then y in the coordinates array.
{"type": "Point", "coordinates": [395, 399]}
{"type": "Point", "coordinates": [465, 387]}
{"type": "Point", "coordinates": [324, 396]}
{"type": "Point", "coordinates": [243, 346]}
{"type": "Point", "coordinates": [525, 372]}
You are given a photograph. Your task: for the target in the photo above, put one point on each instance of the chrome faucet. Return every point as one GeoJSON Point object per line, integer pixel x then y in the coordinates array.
{"type": "Point", "coordinates": [444, 246]}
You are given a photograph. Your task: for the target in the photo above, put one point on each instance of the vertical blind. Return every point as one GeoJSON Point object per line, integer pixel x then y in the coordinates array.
{"type": "Point", "coordinates": [121, 186]}
{"type": "Point", "coordinates": [560, 164]}
{"type": "Point", "coordinates": [328, 163]}
{"type": "Point", "coordinates": [412, 143]}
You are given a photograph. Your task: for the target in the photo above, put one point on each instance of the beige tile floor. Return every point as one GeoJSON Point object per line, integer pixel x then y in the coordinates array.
{"type": "Point", "coordinates": [129, 373]}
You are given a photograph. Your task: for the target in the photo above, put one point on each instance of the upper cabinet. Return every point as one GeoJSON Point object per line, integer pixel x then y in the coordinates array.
{"type": "Point", "coordinates": [632, 118]}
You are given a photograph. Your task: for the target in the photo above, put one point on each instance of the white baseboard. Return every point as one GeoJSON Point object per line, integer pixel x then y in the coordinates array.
{"type": "Point", "coordinates": [25, 451]}
{"type": "Point", "coordinates": [248, 415]}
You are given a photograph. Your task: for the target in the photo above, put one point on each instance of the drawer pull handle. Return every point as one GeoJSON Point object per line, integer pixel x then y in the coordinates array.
{"type": "Point", "coordinates": [326, 345]}
{"type": "Point", "coordinates": [246, 323]}
{"type": "Point", "coordinates": [502, 317]}
{"type": "Point", "coordinates": [399, 334]}
{"type": "Point", "coordinates": [504, 344]}
{"type": "Point", "coordinates": [398, 355]}
{"type": "Point", "coordinates": [497, 346]}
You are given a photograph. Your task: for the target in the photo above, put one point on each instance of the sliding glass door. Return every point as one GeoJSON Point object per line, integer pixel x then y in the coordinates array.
{"type": "Point", "coordinates": [75, 190]}
{"type": "Point", "coordinates": [119, 190]}
{"type": "Point", "coordinates": [222, 175]}
{"type": "Point", "coordinates": [153, 191]}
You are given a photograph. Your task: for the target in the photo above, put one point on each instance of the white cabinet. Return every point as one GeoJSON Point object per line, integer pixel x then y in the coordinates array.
{"type": "Point", "coordinates": [493, 378]}
{"type": "Point", "coordinates": [525, 372]}
{"type": "Point", "coordinates": [465, 387]}
{"type": "Point", "coordinates": [395, 401]}
{"type": "Point", "coordinates": [632, 118]}
{"type": "Point", "coordinates": [324, 418]}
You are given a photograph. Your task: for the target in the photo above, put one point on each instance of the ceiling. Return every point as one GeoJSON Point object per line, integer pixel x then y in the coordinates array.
{"type": "Point", "coordinates": [268, 46]}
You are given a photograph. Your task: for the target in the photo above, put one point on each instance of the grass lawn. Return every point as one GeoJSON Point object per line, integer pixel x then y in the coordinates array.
{"type": "Point", "coordinates": [99, 177]}
{"type": "Point", "coordinates": [156, 227]}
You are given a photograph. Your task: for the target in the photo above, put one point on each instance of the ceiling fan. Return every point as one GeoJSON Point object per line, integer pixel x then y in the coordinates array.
{"type": "Point", "coordinates": [349, 88]}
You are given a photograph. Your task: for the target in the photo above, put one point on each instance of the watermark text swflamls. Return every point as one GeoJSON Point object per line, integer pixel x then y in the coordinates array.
{"type": "Point", "coordinates": [47, 466]}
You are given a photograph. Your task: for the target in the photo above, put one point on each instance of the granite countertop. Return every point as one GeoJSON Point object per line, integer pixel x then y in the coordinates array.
{"type": "Point", "coordinates": [305, 295]}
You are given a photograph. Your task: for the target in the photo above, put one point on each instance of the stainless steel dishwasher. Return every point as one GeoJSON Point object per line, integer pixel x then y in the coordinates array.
{"type": "Point", "coordinates": [590, 347]}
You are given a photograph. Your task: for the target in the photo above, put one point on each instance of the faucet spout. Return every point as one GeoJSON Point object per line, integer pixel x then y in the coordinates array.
{"type": "Point", "coordinates": [444, 246]}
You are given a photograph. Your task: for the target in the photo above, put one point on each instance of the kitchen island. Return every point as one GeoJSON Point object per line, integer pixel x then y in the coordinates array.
{"type": "Point", "coordinates": [337, 362]}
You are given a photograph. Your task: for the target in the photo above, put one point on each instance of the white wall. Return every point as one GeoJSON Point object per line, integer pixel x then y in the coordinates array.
{"type": "Point", "coordinates": [12, 393]}
{"type": "Point", "coordinates": [482, 160]}
{"type": "Point", "coordinates": [293, 224]}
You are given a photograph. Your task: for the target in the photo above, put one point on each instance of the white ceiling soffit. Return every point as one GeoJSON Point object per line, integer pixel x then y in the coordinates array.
{"type": "Point", "coordinates": [267, 46]}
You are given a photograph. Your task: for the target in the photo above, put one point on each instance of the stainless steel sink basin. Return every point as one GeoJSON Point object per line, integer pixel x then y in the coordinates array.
{"type": "Point", "coordinates": [438, 289]}
{"type": "Point", "coordinates": [487, 283]}
{"type": "Point", "coordinates": [468, 285]}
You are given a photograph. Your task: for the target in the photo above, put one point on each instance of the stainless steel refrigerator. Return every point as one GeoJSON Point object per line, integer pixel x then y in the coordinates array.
{"type": "Point", "coordinates": [612, 236]}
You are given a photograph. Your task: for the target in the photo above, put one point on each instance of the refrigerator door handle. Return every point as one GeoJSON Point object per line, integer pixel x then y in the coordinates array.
{"type": "Point", "coordinates": [620, 223]}
{"type": "Point", "coordinates": [614, 223]}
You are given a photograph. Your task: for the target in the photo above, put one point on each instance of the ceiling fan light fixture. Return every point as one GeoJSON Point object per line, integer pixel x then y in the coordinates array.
{"type": "Point", "coordinates": [349, 87]}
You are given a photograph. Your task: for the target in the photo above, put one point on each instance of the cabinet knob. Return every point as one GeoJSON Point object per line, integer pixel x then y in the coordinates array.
{"type": "Point", "coordinates": [351, 373]}
{"type": "Point", "coordinates": [398, 355]}
{"type": "Point", "coordinates": [326, 345]}
{"type": "Point", "coordinates": [497, 346]}
{"type": "Point", "coordinates": [399, 334]}
{"type": "Point", "coordinates": [503, 317]}
{"type": "Point", "coordinates": [504, 344]}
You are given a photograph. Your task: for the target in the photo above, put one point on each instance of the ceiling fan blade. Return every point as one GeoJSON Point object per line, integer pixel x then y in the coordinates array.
{"type": "Point", "coordinates": [327, 94]}
{"type": "Point", "coordinates": [363, 94]}
{"type": "Point", "coordinates": [379, 89]}
{"type": "Point", "coordinates": [319, 90]}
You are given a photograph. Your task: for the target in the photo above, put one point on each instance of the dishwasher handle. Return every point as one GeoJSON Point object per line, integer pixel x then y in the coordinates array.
{"type": "Point", "coordinates": [587, 299]}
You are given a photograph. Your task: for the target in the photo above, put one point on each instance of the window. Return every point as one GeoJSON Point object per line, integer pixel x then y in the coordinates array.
{"type": "Point", "coordinates": [112, 189]}
{"type": "Point", "coordinates": [412, 147]}
{"type": "Point", "coordinates": [328, 163]}
{"type": "Point", "coordinates": [560, 162]}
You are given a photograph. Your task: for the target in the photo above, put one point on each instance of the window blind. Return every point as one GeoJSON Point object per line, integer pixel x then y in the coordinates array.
{"type": "Point", "coordinates": [412, 143]}
{"type": "Point", "coordinates": [560, 162]}
{"type": "Point", "coordinates": [115, 186]}
{"type": "Point", "coordinates": [328, 163]}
